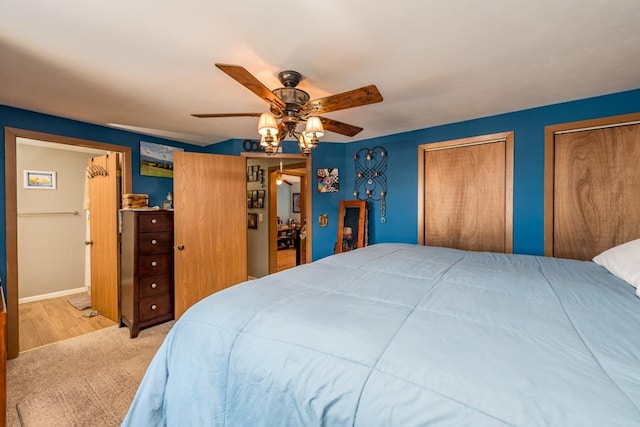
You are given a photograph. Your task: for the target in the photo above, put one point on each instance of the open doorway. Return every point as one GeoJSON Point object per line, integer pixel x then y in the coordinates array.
{"type": "Point", "coordinates": [11, 182]}
{"type": "Point", "coordinates": [290, 235]}
{"type": "Point", "coordinates": [53, 260]}
{"type": "Point", "coordinates": [262, 206]}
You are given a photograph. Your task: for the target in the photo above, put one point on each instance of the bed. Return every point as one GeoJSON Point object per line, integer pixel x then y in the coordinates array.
{"type": "Point", "coordinates": [405, 335]}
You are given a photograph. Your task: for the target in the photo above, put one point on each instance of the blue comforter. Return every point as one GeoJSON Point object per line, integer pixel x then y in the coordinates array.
{"type": "Point", "coordinates": [404, 335]}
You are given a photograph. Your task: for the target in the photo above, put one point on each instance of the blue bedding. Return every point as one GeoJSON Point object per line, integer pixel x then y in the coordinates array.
{"type": "Point", "coordinates": [404, 335]}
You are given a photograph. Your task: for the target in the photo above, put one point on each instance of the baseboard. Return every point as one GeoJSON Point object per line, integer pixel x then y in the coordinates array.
{"type": "Point", "coordinates": [52, 295]}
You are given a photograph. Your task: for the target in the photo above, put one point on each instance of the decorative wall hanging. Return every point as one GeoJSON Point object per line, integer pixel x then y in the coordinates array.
{"type": "Point", "coordinates": [157, 159]}
{"type": "Point", "coordinates": [251, 146]}
{"type": "Point", "coordinates": [371, 178]}
{"type": "Point", "coordinates": [328, 180]}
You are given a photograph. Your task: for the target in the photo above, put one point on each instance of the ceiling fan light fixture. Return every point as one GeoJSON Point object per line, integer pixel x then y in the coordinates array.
{"type": "Point", "coordinates": [267, 125]}
{"type": "Point", "coordinates": [289, 106]}
{"type": "Point", "coordinates": [314, 129]}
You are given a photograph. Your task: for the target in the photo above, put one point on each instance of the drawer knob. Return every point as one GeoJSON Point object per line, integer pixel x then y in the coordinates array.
{"type": "Point", "coordinates": [153, 220]}
{"type": "Point", "coordinates": [153, 263]}
{"type": "Point", "coordinates": [154, 285]}
{"type": "Point", "coordinates": [153, 306]}
{"type": "Point", "coordinates": [154, 241]}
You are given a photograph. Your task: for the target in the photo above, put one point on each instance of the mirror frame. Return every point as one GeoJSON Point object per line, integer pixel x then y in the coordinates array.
{"type": "Point", "coordinates": [362, 238]}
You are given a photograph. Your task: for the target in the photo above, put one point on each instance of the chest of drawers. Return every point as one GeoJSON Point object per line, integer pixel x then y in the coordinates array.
{"type": "Point", "coordinates": [146, 269]}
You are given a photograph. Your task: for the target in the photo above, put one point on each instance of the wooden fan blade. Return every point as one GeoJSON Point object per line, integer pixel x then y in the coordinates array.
{"type": "Point", "coordinates": [246, 79]}
{"type": "Point", "coordinates": [353, 98]}
{"type": "Point", "coordinates": [203, 116]}
{"type": "Point", "coordinates": [339, 127]}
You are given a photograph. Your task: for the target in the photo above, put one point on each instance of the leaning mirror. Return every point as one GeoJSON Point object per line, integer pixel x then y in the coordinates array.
{"type": "Point", "coordinates": [352, 225]}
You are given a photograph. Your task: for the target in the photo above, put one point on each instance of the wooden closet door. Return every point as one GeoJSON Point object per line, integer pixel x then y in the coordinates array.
{"type": "Point", "coordinates": [596, 190]}
{"type": "Point", "coordinates": [466, 197]}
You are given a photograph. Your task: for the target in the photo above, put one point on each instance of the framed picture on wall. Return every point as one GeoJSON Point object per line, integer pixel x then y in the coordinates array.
{"type": "Point", "coordinates": [328, 180]}
{"type": "Point", "coordinates": [157, 159]}
{"type": "Point", "coordinates": [295, 202]}
{"type": "Point", "coordinates": [252, 221]}
{"type": "Point", "coordinates": [40, 180]}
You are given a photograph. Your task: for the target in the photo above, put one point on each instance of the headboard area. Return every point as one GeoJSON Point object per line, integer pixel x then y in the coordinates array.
{"type": "Point", "coordinates": [592, 186]}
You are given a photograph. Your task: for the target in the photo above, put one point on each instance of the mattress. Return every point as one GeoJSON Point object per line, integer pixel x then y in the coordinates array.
{"type": "Point", "coordinates": [404, 335]}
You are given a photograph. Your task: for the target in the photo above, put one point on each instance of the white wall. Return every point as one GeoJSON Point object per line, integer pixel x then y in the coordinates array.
{"type": "Point", "coordinates": [51, 250]}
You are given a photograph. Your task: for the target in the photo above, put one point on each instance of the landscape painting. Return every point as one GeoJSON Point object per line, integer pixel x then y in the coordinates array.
{"type": "Point", "coordinates": [156, 159]}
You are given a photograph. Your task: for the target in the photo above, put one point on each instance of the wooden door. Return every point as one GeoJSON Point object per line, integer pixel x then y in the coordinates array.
{"type": "Point", "coordinates": [468, 194]}
{"type": "Point", "coordinates": [104, 202]}
{"type": "Point", "coordinates": [210, 225]}
{"type": "Point", "coordinates": [595, 176]}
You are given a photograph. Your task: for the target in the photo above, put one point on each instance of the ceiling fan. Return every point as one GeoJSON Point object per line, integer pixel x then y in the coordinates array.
{"type": "Point", "coordinates": [292, 106]}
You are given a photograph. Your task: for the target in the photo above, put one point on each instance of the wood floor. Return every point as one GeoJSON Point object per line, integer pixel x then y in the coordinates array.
{"type": "Point", "coordinates": [47, 321]}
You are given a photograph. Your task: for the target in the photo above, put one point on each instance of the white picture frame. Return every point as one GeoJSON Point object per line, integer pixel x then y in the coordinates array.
{"type": "Point", "coordinates": [40, 180]}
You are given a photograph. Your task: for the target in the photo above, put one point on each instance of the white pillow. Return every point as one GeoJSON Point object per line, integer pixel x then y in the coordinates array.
{"type": "Point", "coordinates": [623, 261]}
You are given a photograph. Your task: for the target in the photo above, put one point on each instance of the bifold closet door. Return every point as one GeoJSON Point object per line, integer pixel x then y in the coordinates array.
{"type": "Point", "coordinates": [465, 197]}
{"type": "Point", "coordinates": [594, 170]}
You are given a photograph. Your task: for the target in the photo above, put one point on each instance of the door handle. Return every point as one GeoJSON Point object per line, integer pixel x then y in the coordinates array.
{"type": "Point", "coordinates": [88, 242]}
{"type": "Point", "coordinates": [181, 247]}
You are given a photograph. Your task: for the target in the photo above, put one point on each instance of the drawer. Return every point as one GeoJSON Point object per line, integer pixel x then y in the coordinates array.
{"type": "Point", "coordinates": [155, 285]}
{"type": "Point", "coordinates": [155, 221]}
{"type": "Point", "coordinates": [155, 307]}
{"type": "Point", "coordinates": [155, 265]}
{"type": "Point", "coordinates": [155, 242]}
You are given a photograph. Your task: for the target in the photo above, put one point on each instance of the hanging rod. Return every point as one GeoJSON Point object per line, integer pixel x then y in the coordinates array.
{"type": "Point", "coordinates": [47, 213]}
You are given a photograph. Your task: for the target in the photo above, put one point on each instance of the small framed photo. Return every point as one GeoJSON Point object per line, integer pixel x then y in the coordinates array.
{"type": "Point", "coordinates": [261, 194]}
{"type": "Point", "coordinates": [40, 180]}
{"type": "Point", "coordinates": [259, 203]}
{"type": "Point", "coordinates": [252, 221]}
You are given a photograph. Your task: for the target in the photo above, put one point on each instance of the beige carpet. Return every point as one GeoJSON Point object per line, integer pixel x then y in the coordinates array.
{"type": "Point", "coordinates": [84, 381]}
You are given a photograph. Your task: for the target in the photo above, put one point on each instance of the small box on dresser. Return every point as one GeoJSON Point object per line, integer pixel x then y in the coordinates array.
{"type": "Point", "coordinates": [146, 268]}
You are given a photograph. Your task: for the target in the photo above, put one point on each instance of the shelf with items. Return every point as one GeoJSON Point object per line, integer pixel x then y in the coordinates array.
{"type": "Point", "coordinates": [285, 237]}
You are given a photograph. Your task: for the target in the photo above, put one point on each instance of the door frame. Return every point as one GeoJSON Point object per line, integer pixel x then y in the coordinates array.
{"type": "Point", "coordinates": [307, 203]}
{"type": "Point", "coordinates": [273, 213]}
{"type": "Point", "coordinates": [11, 212]}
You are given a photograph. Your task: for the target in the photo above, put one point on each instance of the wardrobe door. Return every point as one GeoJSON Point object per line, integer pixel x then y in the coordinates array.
{"type": "Point", "coordinates": [593, 171]}
{"type": "Point", "coordinates": [467, 196]}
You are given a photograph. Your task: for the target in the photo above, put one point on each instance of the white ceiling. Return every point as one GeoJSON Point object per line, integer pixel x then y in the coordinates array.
{"type": "Point", "coordinates": [146, 65]}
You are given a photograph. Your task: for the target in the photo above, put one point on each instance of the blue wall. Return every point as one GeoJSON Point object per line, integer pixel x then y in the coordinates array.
{"type": "Point", "coordinates": [157, 188]}
{"type": "Point", "coordinates": [528, 180]}
{"type": "Point", "coordinates": [402, 170]}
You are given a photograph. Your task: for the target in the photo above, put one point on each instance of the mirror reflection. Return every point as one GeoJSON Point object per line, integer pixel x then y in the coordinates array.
{"type": "Point", "coordinates": [352, 225]}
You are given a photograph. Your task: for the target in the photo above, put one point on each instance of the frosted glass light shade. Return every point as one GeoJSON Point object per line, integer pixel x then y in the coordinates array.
{"type": "Point", "coordinates": [267, 125]}
{"type": "Point", "coordinates": [314, 128]}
